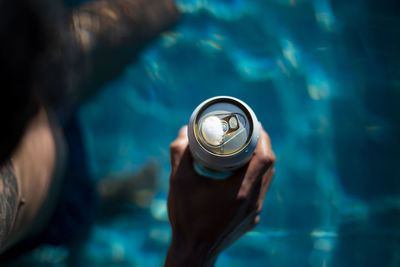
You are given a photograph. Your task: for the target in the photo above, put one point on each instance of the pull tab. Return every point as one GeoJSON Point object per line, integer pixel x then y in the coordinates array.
{"type": "Point", "coordinates": [218, 129]}
{"type": "Point", "coordinates": [231, 123]}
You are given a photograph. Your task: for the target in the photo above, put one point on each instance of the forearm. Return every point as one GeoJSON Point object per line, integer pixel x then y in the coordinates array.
{"type": "Point", "coordinates": [119, 22]}
{"type": "Point", "coordinates": [110, 33]}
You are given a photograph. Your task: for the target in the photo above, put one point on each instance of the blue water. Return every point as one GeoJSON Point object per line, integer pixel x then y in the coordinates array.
{"type": "Point", "coordinates": [323, 79]}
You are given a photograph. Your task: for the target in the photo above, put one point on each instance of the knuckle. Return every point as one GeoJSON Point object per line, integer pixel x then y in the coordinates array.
{"type": "Point", "coordinates": [241, 197]}
{"type": "Point", "coordinates": [177, 146]}
{"type": "Point", "coordinates": [267, 159]}
{"type": "Point", "coordinates": [173, 146]}
{"type": "Point", "coordinates": [273, 157]}
{"type": "Point", "coordinates": [243, 193]}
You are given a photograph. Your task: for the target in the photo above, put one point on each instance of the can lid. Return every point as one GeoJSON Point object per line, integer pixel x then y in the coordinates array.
{"type": "Point", "coordinates": [223, 127]}
{"type": "Point", "coordinates": [223, 133]}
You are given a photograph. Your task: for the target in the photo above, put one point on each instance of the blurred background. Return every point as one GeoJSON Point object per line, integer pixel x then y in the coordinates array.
{"type": "Point", "coordinates": [322, 76]}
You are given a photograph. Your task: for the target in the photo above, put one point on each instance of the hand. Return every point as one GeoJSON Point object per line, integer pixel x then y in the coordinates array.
{"type": "Point", "coordinates": [207, 215]}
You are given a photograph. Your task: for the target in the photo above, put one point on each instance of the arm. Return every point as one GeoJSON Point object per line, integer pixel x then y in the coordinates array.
{"type": "Point", "coordinates": [110, 33]}
{"type": "Point", "coordinates": [8, 202]}
{"type": "Point", "coordinates": [208, 215]}
{"type": "Point", "coordinates": [30, 182]}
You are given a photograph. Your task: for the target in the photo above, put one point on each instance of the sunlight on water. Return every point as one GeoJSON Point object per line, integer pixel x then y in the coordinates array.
{"type": "Point", "coordinates": [306, 70]}
{"type": "Point", "coordinates": [324, 14]}
{"type": "Point", "coordinates": [290, 53]}
{"type": "Point", "coordinates": [223, 10]}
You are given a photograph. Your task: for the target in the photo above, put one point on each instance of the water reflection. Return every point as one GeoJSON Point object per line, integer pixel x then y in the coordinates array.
{"type": "Point", "coordinates": [321, 78]}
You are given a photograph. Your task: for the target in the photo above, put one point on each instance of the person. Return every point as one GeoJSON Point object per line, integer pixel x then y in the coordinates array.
{"type": "Point", "coordinates": [42, 177]}
{"type": "Point", "coordinates": [208, 215]}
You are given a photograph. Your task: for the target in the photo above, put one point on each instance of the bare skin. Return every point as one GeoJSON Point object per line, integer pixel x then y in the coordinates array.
{"type": "Point", "coordinates": [110, 34]}
{"type": "Point", "coordinates": [207, 215]}
{"type": "Point", "coordinates": [35, 170]}
{"type": "Point", "coordinates": [104, 31]}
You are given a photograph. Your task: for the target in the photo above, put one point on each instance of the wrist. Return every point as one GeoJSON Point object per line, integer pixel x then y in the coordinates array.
{"type": "Point", "coordinates": [185, 254]}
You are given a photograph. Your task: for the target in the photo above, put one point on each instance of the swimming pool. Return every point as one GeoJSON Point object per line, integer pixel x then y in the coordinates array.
{"type": "Point", "coordinates": [322, 78]}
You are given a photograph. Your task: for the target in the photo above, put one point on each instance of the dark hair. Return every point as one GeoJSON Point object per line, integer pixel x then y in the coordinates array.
{"type": "Point", "coordinates": [36, 53]}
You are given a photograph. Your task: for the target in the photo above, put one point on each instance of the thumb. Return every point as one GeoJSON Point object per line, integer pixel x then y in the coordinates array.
{"type": "Point", "coordinates": [178, 147]}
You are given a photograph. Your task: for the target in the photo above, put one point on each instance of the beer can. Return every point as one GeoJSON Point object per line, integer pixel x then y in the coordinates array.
{"type": "Point", "coordinates": [223, 132]}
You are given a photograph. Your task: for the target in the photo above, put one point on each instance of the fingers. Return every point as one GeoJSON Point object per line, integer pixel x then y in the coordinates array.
{"type": "Point", "coordinates": [178, 147]}
{"type": "Point", "coordinates": [258, 176]}
{"type": "Point", "coordinates": [263, 159]}
{"type": "Point", "coordinates": [266, 181]}
{"type": "Point", "coordinates": [263, 152]}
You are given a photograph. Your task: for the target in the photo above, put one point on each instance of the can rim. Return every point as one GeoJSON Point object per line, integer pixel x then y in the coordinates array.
{"type": "Point", "coordinates": [245, 108]}
{"type": "Point", "coordinates": [218, 162]}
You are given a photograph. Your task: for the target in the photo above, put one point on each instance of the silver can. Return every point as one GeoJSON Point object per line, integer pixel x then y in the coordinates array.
{"type": "Point", "coordinates": [223, 132]}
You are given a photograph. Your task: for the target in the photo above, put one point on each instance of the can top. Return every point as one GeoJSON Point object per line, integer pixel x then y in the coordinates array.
{"type": "Point", "coordinates": [223, 126]}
